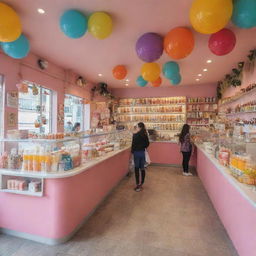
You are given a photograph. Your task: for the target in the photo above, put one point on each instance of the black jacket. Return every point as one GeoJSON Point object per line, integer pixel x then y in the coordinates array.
{"type": "Point", "coordinates": [139, 142]}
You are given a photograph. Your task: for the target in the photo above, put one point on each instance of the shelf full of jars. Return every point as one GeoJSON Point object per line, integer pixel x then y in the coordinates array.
{"type": "Point", "coordinates": [165, 115]}
{"type": "Point", "coordinates": [234, 147]}
{"type": "Point", "coordinates": [201, 111]}
{"type": "Point", "coordinates": [25, 162]}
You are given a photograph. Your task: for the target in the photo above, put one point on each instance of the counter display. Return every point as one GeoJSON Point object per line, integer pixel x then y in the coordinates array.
{"type": "Point", "coordinates": [24, 163]}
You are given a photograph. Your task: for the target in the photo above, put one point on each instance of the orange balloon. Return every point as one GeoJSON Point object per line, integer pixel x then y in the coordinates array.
{"type": "Point", "coordinates": [119, 72]}
{"type": "Point", "coordinates": [157, 83]}
{"type": "Point", "coordinates": [179, 43]}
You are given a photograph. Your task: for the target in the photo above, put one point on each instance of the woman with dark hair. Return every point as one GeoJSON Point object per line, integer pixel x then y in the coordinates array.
{"type": "Point", "coordinates": [140, 142]}
{"type": "Point", "coordinates": [185, 148]}
{"type": "Point", "coordinates": [76, 127]}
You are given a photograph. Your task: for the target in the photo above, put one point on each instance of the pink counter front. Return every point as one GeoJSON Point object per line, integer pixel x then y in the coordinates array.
{"type": "Point", "coordinates": [66, 204]}
{"type": "Point", "coordinates": [234, 202]}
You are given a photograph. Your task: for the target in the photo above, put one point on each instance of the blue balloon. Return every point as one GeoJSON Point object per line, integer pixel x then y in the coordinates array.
{"type": "Point", "coordinates": [141, 82]}
{"type": "Point", "coordinates": [17, 49]}
{"type": "Point", "coordinates": [73, 24]}
{"type": "Point", "coordinates": [176, 79]}
{"type": "Point", "coordinates": [244, 13]}
{"type": "Point", "coordinates": [170, 69]}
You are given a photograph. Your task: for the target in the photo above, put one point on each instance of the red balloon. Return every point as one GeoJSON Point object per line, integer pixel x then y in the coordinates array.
{"type": "Point", "coordinates": [119, 72]}
{"type": "Point", "coordinates": [179, 43]}
{"type": "Point", "coordinates": [222, 42]}
{"type": "Point", "coordinates": [157, 83]}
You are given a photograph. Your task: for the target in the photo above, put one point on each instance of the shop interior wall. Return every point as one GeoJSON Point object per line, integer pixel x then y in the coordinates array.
{"type": "Point", "coordinates": [54, 77]}
{"type": "Point", "coordinates": [201, 90]}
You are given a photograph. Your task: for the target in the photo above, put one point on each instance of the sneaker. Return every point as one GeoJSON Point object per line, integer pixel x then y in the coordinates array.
{"type": "Point", "coordinates": [187, 174]}
{"type": "Point", "coordinates": [138, 188]}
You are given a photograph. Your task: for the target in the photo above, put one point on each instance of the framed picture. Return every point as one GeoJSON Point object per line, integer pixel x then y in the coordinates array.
{"type": "Point", "coordinates": [12, 100]}
{"type": "Point", "coordinates": [12, 119]}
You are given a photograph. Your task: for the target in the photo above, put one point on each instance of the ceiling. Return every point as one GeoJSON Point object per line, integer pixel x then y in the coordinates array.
{"type": "Point", "coordinates": [89, 56]}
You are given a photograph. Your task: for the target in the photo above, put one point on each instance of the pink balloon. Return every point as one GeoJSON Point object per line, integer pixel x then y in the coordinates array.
{"type": "Point", "coordinates": [222, 42]}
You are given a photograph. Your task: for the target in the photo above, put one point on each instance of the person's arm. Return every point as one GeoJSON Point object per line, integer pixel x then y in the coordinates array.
{"type": "Point", "coordinates": [146, 142]}
{"type": "Point", "coordinates": [133, 143]}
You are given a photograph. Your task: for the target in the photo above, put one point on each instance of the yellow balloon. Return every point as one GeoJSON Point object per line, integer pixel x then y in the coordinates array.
{"type": "Point", "coordinates": [100, 25]}
{"type": "Point", "coordinates": [10, 26]}
{"type": "Point", "coordinates": [210, 16]}
{"type": "Point", "coordinates": [150, 71]}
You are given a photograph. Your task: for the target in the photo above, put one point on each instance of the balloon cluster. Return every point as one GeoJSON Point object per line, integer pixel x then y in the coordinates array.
{"type": "Point", "coordinates": [75, 24]}
{"type": "Point", "coordinates": [12, 41]}
{"type": "Point", "coordinates": [171, 71]}
{"type": "Point", "coordinates": [211, 16]}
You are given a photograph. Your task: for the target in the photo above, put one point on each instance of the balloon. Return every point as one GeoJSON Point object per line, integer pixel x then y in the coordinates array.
{"type": "Point", "coordinates": [100, 25]}
{"type": "Point", "coordinates": [244, 13]}
{"type": "Point", "coordinates": [17, 49]}
{"type": "Point", "coordinates": [150, 71]}
{"type": "Point", "coordinates": [73, 24]}
{"type": "Point", "coordinates": [141, 82]}
{"type": "Point", "coordinates": [179, 43]}
{"type": "Point", "coordinates": [222, 42]}
{"type": "Point", "coordinates": [10, 26]}
{"type": "Point", "coordinates": [119, 72]}
{"type": "Point", "coordinates": [170, 69]}
{"type": "Point", "coordinates": [176, 79]}
{"type": "Point", "coordinates": [149, 47]}
{"type": "Point", "coordinates": [157, 83]}
{"type": "Point", "coordinates": [210, 16]}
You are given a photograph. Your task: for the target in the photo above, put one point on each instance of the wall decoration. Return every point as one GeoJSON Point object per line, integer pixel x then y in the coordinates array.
{"type": "Point", "coordinates": [101, 89]}
{"type": "Point", "coordinates": [149, 47]}
{"type": "Point", "coordinates": [42, 64]}
{"type": "Point", "coordinates": [9, 23]}
{"type": "Point", "coordinates": [12, 119]}
{"type": "Point", "coordinates": [179, 43]}
{"type": "Point", "coordinates": [22, 87]}
{"type": "Point", "coordinates": [12, 100]}
{"type": "Point", "coordinates": [210, 16]}
{"type": "Point", "coordinates": [73, 24]}
{"type": "Point", "coordinates": [81, 82]}
{"type": "Point", "coordinates": [60, 116]}
{"type": "Point", "coordinates": [17, 49]}
{"type": "Point", "coordinates": [119, 72]}
{"type": "Point", "coordinates": [35, 90]}
{"type": "Point", "coordinates": [100, 25]}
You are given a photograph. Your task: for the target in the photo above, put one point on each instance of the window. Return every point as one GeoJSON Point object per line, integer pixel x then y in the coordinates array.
{"type": "Point", "coordinates": [35, 107]}
{"type": "Point", "coordinates": [73, 112]}
{"type": "Point", "coordinates": [1, 105]}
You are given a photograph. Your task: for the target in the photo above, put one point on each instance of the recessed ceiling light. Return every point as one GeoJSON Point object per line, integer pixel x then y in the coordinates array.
{"type": "Point", "coordinates": [199, 74]}
{"type": "Point", "coordinates": [126, 84]}
{"type": "Point", "coordinates": [209, 61]}
{"type": "Point", "coordinates": [40, 10]}
{"type": "Point", "coordinates": [99, 74]}
{"type": "Point", "coordinates": [205, 69]}
{"type": "Point", "coordinates": [197, 79]}
{"type": "Point", "coordinates": [127, 80]}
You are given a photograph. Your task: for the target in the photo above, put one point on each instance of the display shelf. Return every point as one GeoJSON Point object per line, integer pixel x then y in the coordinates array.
{"type": "Point", "coordinates": [22, 192]}
{"type": "Point", "coordinates": [151, 105]}
{"type": "Point", "coordinates": [153, 113]}
{"type": "Point", "coordinates": [239, 113]}
{"type": "Point", "coordinates": [198, 124]}
{"type": "Point", "coordinates": [150, 122]}
{"type": "Point", "coordinates": [237, 97]}
{"type": "Point", "coordinates": [200, 103]}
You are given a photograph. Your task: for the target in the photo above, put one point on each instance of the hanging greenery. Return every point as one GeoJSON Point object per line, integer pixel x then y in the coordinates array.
{"type": "Point", "coordinates": [102, 90]}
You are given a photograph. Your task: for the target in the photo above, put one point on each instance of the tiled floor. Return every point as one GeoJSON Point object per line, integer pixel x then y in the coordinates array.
{"type": "Point", "coordinates": [173, 216]}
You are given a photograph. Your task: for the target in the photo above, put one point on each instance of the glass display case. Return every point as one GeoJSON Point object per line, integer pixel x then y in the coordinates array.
{"type": "Point", "coordinates": [24, 162]}
{"type": "Point", "coordinates": [233, 148]}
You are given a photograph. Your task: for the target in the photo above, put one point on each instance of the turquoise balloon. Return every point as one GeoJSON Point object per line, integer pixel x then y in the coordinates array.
{"type": "Point", "coordinates": [244, 13]}
{"type": "Point", "coordinates": [73, 24]}
{"type": "Point", "coordinates": [176, 79]}
{"type": "Point", "coordinates": [141, 82]}
{"type": "Point", "coordinates": [17, 49]}
{"type": "Point", "coordinates": [170, 69]}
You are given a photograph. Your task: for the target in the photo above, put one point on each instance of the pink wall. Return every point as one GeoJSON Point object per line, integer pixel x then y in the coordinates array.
{"type": "Point", "coordinates": [202, 90]}
{"type": "Point", "coordinates": [54, 78]}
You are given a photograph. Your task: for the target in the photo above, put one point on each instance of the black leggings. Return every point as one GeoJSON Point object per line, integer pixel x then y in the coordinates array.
{"type": "Point", "coordinates": [137, 175]}
{"type": "Point", "coordinates": [186, 158]}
